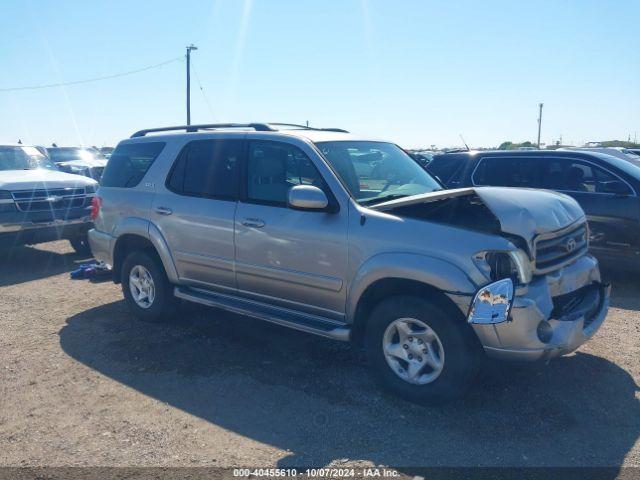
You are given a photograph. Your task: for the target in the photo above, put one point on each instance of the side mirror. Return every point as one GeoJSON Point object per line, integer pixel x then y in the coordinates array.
{"type": "Point", "coordinates": [307, 197]}
{"type": "Point", "coordinates": [616, 187]}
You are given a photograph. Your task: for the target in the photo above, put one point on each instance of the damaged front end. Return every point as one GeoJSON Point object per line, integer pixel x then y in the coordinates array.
{"type": "Point", "coordinates": [543, 297]}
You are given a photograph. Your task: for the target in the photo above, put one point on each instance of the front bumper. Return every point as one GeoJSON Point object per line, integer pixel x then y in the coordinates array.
{"type": "Point", "coordinates": [19, 228]}
{"type": "Point", "coordinates": [571, 303]}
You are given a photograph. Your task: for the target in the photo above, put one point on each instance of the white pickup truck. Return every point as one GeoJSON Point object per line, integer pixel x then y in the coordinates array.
{"type": "Point", "coordinates": [39, 203]}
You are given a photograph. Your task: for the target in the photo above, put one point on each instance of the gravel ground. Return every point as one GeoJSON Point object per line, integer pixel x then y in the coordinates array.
{"type": "Point", "coordinates": [84, 383]}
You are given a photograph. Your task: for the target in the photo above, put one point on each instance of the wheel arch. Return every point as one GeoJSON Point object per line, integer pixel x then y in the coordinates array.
{"type": "Point", "coordinates": [399, 274]}
{"type": "Point", "coordinates": [149, 240]}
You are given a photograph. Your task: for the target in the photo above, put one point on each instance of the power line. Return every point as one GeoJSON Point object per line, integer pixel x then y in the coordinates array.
{"type": "Point", "coordinates": [204, 95]}
{"type": "Point", "coordinates": [95, 79]}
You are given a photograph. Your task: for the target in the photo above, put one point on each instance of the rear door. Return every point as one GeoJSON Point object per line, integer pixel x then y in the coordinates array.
{"type": "Point", "coordinates": [613, 218]}
{"type": "Point", "coordinates": [195, 211]}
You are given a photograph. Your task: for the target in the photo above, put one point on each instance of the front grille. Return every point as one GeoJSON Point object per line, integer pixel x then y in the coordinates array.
{"type": "Point", "coordinates": [53, 199]}
{"type": "Point", "coordinates": [552, 253]}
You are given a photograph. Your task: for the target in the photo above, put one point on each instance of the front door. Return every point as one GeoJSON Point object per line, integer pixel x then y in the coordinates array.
{"type": "Point", "coordinates": [195, 211]}
{"type": "Point", "coordinates": [292, 258]}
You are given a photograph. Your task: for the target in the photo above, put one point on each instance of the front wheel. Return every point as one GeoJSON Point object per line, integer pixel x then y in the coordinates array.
{"type": "Point", "coordinates": [419, 352]}
{"type": "Point", "coordinates": [146, 288]}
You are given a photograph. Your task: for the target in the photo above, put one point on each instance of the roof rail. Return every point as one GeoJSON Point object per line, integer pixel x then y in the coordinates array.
{"type": "Point", "coordinates": [306, 127]}
{"type": "Point", "coordinates": [260, 127]}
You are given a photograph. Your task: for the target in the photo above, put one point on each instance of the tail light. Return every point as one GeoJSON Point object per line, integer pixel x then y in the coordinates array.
{"type": "Point", "coordinates": [96, 203]}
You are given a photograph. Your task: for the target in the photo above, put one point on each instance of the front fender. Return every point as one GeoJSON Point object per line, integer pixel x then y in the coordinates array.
{"type": "Point", "coordinates": [441, 274]}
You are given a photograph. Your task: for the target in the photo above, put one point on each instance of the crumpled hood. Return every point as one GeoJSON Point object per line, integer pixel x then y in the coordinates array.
{"type": "Point", "coordinates": [525, 213]}
{"type": "Point", "coordinates": [41, 179]}
{"type": "Point", "coordinates": [528, 212]}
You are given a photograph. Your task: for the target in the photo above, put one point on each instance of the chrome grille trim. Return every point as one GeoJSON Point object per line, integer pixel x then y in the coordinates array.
{"type": "Point", "coordinates": [41, 200]}
{"type": "Point", "coordinates": [557, 249]}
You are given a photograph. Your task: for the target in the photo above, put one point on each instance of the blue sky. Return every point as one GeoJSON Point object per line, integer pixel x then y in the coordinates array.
{"type": "Point", "coordinates": [416, 72]}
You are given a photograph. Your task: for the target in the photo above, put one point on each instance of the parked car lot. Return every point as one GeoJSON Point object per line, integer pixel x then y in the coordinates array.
{"type": "Point", "coordinates": [84, 383]}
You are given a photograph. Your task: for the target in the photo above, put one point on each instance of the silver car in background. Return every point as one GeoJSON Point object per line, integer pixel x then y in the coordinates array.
{"type": "Point", "coordinates": [347, 237]}
{"type": "Point", "coordinates": [85, 161]}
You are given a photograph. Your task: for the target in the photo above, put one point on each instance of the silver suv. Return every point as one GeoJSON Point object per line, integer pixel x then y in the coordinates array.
{"type": "Point", "coordinates": [348, 238]}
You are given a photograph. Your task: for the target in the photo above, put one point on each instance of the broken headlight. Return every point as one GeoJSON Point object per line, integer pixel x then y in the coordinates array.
{"type": "Point", "coordinates": [498, 265]}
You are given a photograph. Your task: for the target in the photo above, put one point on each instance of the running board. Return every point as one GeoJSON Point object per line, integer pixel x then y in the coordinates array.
{"type": "Point", "coordinates": [269, 313]}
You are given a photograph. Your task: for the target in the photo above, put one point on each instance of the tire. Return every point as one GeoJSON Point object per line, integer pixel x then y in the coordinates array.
{"type": "Point", "coordinates": [81, 244]}
{"type": "Point", "coordinates": [427, 366]}
{"type": "Point", "coordinates": [159, 305]}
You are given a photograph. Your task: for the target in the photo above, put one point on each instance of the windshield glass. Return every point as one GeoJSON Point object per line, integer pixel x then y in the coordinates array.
{"type": "Point", "coordinates": [630, 166]}
{"type": "Point", "coordinates": [23, 158]}
{"type": "Point", "coordinates": [375, 172]}
{"type": "Point", "coordinates": [64, 154]}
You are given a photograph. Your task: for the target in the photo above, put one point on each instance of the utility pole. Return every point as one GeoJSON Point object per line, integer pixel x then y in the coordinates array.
{"type": "Point", "coordinates": [189, 48]}
{"type": "Point", "coordinates": [539, 125]}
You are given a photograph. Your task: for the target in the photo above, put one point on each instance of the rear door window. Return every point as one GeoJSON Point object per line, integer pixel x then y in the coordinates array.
{"type": "Point", "coordinates": [208, 168]}
{"type": "Point", "coordinates": [129, 164]}
{"type": "Point", "coordinates": [519, 172]}
{"type": "Point", "coordinates": [447, 168]}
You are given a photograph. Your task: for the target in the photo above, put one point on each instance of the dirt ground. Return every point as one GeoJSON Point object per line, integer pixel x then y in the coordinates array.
{"type": "Point", "coordinates": [84, 383]}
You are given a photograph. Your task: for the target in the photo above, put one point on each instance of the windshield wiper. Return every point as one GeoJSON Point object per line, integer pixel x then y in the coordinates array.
{"type": "Point", "coordinates": [385, 198]}
{"type": "Point", "coordinates": [392, 196]}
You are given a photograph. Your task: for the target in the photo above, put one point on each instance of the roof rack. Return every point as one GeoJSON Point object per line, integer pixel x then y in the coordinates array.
{"type": "Point", "coordinates": [258, 127]}
{"type": "Point", "coordinates": [306, 127]}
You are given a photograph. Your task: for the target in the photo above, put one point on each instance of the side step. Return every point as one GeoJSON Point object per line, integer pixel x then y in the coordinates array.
{"type": "Point", "coordinates": [282, 316]}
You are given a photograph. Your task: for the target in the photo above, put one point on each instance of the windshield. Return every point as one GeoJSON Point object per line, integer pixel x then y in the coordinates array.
{"type": "Point", "coordinates": [65, 154]}
{"type": "Point", "coordinates": [631, 166]}
{"type": "Point", "coordinates": [375, 172]}
{"type": "Point", "coordinates": [23, 158]}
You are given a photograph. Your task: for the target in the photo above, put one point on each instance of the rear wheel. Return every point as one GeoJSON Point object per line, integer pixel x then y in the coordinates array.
{"type": "Point", "coordinates": [146, 288]}
{"type": "Point", "coordinates": [419, 352]}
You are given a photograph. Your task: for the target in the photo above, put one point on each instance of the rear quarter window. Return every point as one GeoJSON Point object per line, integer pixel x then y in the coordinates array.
{"type": "Point", "coordinates": [447, 168]}
{"type": "Point", "coordinates": [129, 163]}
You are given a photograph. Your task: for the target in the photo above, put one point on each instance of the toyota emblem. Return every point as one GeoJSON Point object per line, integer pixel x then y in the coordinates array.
{"type": "Point", "coordinates": [570, 246]}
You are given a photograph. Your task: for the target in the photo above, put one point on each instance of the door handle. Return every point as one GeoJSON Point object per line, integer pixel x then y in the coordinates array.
{"type": "Point", "coordinates": [253, 222]}
{"type": "Point", "coordinates": [164, 210]}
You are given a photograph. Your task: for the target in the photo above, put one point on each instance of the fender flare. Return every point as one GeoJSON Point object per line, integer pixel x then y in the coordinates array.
{"type": "Point", "coordinates": [435, 272]}
{"type": "Point", "coordinates": [159, 242]}
{"type": "Point", "coordinates": [145, 229]}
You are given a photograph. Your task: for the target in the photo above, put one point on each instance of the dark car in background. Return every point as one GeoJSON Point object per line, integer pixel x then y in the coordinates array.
{"type": "Point", "coordinates": [606, 188]}
{"type": "Point", "coordinates": [86, 161]}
